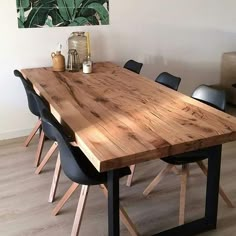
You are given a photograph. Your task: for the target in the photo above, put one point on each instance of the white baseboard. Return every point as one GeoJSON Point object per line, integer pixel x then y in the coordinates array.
{"type": "Point", "coordinates": [15, 134]}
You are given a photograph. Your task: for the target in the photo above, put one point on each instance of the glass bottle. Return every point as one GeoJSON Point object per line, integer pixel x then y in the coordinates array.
{"type": "Point", "coordinates": [88, 65]}
{"type": "Point", "coordinates": [72, 62]}
{"type": "Point", "coordinates": [78, 41]}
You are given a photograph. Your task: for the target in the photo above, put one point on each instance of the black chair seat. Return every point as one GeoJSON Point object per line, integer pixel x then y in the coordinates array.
{"type": "Point", "coordinates": [188, 157]}
{"type": "Point", "coordinates": [75, 164]}
{"type": "Point", "coordinates": [88, 175]}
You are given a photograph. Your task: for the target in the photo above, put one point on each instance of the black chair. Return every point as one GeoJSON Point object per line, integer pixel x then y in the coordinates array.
{"type": "Point", "coordinates": [133, 66]}
{"type": "Point", "coordinates": [168, 80]}
{"type": "Point", "coordinates": [215, 98]}
{"type": "Point", "coordinates": [210, 96]}
{"type": "Point", "coordinates": [36, 105]}
{"type": "Point", "coordinates": [34, 110]}
{"type": "Point", "coordinates": [79, 169]}
{"type": "Point", "coordinates": [42, 105]}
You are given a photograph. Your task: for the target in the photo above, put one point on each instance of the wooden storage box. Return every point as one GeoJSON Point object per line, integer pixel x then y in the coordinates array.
{"type": "Point", "coordinates": [228, 75]}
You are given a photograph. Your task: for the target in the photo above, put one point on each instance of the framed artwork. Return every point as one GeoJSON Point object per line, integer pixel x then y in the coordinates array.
{"type": "Point", "coordinates": [58, 13]}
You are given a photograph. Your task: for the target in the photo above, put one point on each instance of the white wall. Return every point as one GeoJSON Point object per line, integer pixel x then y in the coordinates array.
{"type": "Point", "coordinates": [184, 37]}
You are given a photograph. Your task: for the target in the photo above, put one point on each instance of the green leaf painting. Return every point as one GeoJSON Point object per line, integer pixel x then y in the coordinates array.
{"type": "Point", "coordinates": [58, 13]}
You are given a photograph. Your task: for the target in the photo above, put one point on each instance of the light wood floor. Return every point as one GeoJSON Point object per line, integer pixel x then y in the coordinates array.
{"type": "Point", "coordinates": [24, 209]}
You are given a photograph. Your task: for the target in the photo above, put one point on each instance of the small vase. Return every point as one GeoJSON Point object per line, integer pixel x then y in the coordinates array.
{"type": "Point", "coordinates": [58, 61]}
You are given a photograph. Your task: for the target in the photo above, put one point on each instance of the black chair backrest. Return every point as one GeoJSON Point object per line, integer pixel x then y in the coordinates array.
{"type": "Point", "coordinates": [28, 89]}
{"type": "Point", "coordinates": [210, 96]}
{"type": "Point", "coordinates": [168, 80]}
{"type": "Point", "coordinates": [133, 66]}
{"type": "Point", "coordinates": [74, 163]}
{"type": "Point", "coordinates": [42, 105]}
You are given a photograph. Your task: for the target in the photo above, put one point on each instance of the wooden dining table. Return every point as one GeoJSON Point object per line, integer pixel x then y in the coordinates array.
{"type": "Point", "coordinates": [120, 118]}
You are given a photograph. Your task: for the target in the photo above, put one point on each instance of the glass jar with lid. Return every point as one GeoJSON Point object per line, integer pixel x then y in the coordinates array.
{"type": "Point", "coordinates": [78, 41]}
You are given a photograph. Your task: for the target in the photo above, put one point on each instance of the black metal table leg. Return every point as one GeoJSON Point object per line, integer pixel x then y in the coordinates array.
{"type": "Point", "coordinates": [210, 220]}
{"type": "Point", "coordinates": [213, 181]}
{"type": "Point", "coordinates": [113, 203]}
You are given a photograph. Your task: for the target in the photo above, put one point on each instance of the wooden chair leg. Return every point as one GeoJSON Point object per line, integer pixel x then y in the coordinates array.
{"type": "Point", "coordinates": [183, 187]}
{"type": "Point", "coordinates": [130, 177]}
{"type": "Point", "coordinates": [158, 178]}
{"type": "Point", "coordinates": [55, 179]}
{"type": "Point", "coordinates": [46, 158]}
{"type": "Point", "coordinates": [33, 132]}
{"type": "Point", "coordinates": [65, 198]}
{"type": "Point", "coordinates": [80, 210]}
{"type": "Point", "coordinates": [175, 170]}
{"type": "Point", "coordinates": [124, 216]}
{"type": "Point", "coordinates": [188, 170]}
{"type": "Point", "coordinates": [221, 191]}
{"type": "Point", "coordinates": [39, 149]}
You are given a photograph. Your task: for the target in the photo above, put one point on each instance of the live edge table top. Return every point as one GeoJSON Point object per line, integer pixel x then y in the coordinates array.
{"type": "Point", "coordinates": [121, 118]}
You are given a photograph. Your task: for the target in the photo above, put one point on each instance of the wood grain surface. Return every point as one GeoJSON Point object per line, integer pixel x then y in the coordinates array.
{"type": "Point", "coordinates": [120, 118]}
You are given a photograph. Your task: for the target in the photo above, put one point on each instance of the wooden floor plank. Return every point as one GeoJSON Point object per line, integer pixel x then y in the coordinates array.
{"type": "Point", "coordinates": [24, 209]}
